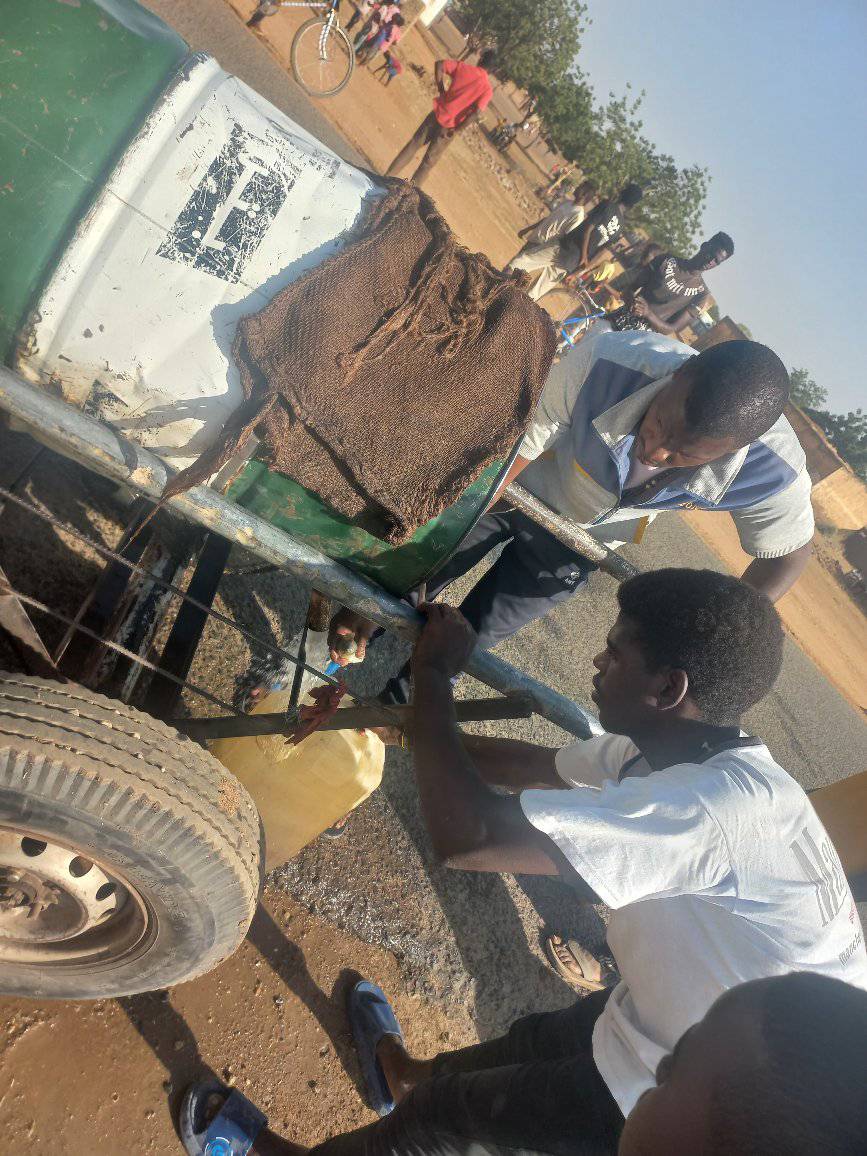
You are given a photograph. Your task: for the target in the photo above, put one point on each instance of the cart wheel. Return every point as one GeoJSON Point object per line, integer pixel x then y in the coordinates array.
{"type": "Point", "coordinates": [130, 859]}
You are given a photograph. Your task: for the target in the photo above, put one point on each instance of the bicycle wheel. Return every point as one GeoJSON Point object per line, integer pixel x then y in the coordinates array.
{"type": "Point", "coordinates": [322, 57]}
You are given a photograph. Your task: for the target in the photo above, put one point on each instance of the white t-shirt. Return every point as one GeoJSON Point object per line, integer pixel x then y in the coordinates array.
{"type": "Point", "coordinates": [567, 215]}
{"type": "Point", "coordinates": [717, 872]}
{"type": "Point", "coordinates": [639, 473]}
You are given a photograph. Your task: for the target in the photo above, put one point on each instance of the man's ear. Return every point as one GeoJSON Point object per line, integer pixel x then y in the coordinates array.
{"type": "Point", "coordinates": [674, 690]}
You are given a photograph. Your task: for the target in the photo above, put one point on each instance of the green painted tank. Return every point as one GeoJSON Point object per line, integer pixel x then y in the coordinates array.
{"type": "Point", "coordinates": [150, 200]}
{"type": "Point", "coordinates": [78, 82]}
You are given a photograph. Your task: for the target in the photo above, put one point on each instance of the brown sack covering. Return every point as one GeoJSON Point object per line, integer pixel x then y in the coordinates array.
{"type": "Point", "coordinates": [387, 378]}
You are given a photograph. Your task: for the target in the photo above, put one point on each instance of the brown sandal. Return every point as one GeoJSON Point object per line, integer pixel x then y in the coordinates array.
{"type": "Point", "coordinates": [575, 964]}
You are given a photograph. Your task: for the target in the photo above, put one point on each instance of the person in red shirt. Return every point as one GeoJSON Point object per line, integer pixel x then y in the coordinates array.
{"type": "Point", "coordinates": [469, 92]}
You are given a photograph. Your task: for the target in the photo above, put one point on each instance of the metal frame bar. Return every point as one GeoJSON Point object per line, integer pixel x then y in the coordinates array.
{"type": "Point", "coordinates": [570, 533]}
{"type": "Point", "coordinates": [187, 628]}
{"type": "Point", "coordinates": [350, 717]}
{"type": "Point", "coordinates": [103, 450]}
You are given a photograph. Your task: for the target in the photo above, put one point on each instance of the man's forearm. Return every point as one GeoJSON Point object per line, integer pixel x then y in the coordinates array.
{"type": "Point", "coordinates": [774, 576]}
{"type": "Point", "coordinates": [453, 796]}
{"type": "Point", "coordinates": [472, 115]}
{"type": "Point", "coordinates": [658, 324]}
{"type": "Point", "coordinates": [515, 765]}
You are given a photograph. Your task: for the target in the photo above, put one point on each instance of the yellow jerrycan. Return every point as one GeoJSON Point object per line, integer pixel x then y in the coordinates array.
{"type": "Point", "coordinates": [301, 790]}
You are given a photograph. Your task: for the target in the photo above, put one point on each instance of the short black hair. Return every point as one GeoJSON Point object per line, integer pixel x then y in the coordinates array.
{"type": "Point", "coordinates": [738, 389]}
{"type": "Point", "coordinates": [488, 58]}
{"type": "Point", "coordinates": [722, 241]}
{"type": "Point", "coordinates": [806, 1095]}
{"type": "Point", "coordinates": [398, 19]}
{"type": "Point", "coordinates": [630, 195]}
{"type": "Point", "coordinates": [724, 634]}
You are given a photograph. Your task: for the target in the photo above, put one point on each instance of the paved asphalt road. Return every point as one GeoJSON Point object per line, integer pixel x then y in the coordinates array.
{"type": "Point", "coordinates": [459, 936]}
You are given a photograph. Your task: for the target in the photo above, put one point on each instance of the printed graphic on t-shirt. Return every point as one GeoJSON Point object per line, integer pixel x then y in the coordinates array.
{"type": "Point", "coordinates": [821, 867]}
{"type": "Point", "coordinates": [673, 279]}
{"type": "Point", "coordinates": [608, 230]}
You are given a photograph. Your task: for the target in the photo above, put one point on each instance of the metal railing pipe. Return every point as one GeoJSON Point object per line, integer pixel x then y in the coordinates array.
{"type": "Point", "coordinates": [570, 533]}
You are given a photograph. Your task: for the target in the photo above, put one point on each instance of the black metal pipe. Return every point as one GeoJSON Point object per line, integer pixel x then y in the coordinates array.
{"type": "Point", "coordinates": [347, 718]}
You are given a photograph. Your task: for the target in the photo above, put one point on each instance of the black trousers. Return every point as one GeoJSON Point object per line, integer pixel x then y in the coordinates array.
{"type": "Point", "coordinates": [533, 574]}
{"type": "Point", "coordinates": [536, 1089]}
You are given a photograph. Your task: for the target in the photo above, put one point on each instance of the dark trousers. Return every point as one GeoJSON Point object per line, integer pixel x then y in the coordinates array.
{"type": "Point", "coordinates": [536, 1089]}
{"type": "Point", "coordinates": [533, 574]}
{"type": "Point", "coordinates": [431, 133]}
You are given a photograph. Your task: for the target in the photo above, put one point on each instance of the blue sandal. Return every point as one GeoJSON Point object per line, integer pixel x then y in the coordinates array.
{"type": "Point", "coordinates": [231, 1132]}
{"type": "Point", "coordinates": [371, 1018]}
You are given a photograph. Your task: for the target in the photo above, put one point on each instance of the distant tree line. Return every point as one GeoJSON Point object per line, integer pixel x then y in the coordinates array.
{"type": "Point", "coordinates": [847, 432]}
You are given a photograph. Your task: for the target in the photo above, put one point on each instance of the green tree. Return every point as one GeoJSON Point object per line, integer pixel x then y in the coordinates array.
{"type": "Point", "coordinates": [566, 109]}
{"type": "Point", "coordinates": [805, 392]}
{"type": "Point", "coordinates": [745, 329]}
{"type": "Point", "coordinates": [848, 435]}
{"type": "Point", "coordinates": [613, 150]}
{"type": "Point", "coordinates": [672, 207]}
{"type": "Point", "coordinates": [537, 40]}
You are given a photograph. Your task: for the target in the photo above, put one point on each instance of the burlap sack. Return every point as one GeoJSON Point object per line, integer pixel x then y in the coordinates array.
{"type": "Point", "coordinates": [387, 378]}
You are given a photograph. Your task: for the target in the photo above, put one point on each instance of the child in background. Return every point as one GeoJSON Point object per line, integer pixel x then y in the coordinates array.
{"type": "Point", "coordinates": [379, 15]}
{"type": "Point", "coordinates": [388, 35]}
{"type": "Point", "coordinates": [390, 68]}
{"type": "Point", "coordinates": [362, 11]}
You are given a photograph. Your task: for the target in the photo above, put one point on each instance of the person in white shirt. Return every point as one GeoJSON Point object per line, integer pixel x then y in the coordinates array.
{"type": "Point", "coordinates": [541, 257]}
{"type": "Point", "coordinates": [710, 855]}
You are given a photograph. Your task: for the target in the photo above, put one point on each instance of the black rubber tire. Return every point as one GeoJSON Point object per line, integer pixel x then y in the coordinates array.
{"type": "Point", "coordinates": [296, 41]}
{"type": "Point", "coordinates": [120, 787]}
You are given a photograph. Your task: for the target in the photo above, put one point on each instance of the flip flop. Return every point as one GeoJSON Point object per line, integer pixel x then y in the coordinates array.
{"type": "Point", "coordinates": [371, 1018]}
{"type": "Point", "coordinates": [582, 969]}
{"type": "Point", "coordinates": [232, 1132]}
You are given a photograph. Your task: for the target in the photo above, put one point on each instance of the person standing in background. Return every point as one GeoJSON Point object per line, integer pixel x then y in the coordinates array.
{"type": "Point", "coordinates": [589, 244]}
{"type": "Point", "coordinates": [543, 257]}
{"type": "Point", "coordinates": [457, 106]}
{"type": "Point", "coordinates": [667, 291]}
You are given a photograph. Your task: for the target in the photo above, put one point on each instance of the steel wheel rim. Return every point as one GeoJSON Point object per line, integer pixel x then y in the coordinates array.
{"type": "Point", "coordinates": [61, 907]}
{"type": "Point", "coordinates": [323, 59]}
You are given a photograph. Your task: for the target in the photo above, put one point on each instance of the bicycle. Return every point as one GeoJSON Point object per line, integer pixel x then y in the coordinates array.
{"type": "Point", "coordinates": [322, 56]}
{"type": "Point", "coordinates": [572, 329]}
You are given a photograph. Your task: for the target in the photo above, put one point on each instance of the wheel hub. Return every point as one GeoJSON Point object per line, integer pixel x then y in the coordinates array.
{"type": "Point", "coordinates": [24, 893]}
{"type": "Point", "coordinates": [51, 897]}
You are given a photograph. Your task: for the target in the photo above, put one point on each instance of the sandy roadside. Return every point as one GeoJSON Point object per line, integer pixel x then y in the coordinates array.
{"type": "Point", "coordinates": [269, 1021]}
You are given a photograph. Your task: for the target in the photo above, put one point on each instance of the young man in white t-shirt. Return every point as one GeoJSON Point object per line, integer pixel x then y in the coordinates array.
{"type": "Point", "coordinates": [718, 872]}
{"type": "Point", "coordinates": [711, 856]}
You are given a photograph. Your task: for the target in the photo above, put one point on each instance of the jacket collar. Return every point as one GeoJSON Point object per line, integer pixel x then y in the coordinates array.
{"type": "Point", "coordinates": [710, 481]}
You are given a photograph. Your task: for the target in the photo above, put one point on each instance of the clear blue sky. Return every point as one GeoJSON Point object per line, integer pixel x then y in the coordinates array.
{"type": "Point", "coordinates": [772, 98]}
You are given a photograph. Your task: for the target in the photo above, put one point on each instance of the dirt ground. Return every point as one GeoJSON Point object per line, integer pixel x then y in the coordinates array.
{"type": "Point", "coordinates": [459, 954]}
{"type": "Point", "coordinates": [269, 1021]}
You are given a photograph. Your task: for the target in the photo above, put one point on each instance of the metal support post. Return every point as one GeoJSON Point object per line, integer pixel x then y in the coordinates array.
{"type": "Point", "coordinates": [570, 533]}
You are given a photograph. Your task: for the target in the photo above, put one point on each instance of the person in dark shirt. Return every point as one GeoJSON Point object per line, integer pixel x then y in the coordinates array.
{"type": "Point", "coordinates": [668, 290]}
{"type": "Point", "coordinates": [590, 242]}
